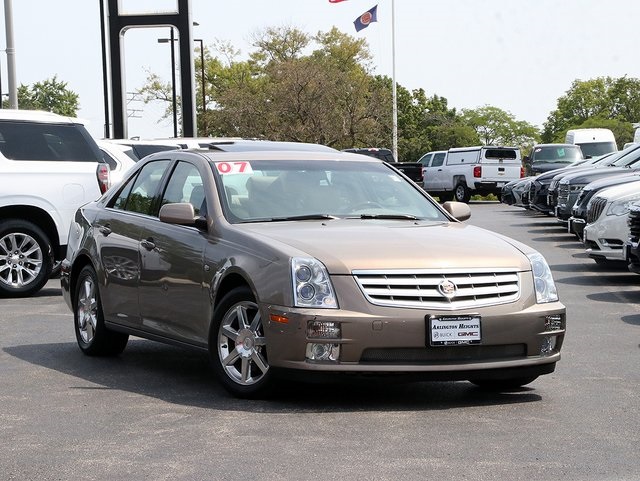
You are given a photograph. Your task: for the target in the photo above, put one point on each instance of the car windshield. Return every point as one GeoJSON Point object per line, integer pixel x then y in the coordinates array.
{"type": "Point", "coordinates": [272, 190]}
{"type": "Point", "coordinates": [556, 154]}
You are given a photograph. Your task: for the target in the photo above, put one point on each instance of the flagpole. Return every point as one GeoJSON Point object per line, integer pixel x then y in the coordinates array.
{"type": "Point", "coordinates": [394, 90]}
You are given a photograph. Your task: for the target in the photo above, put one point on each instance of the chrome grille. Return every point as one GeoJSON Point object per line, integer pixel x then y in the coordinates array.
{"type": "Point", "coordinates": [420, 288]}
{"type": "Point", "coordinates": [595, 208]}
{"type": "Point", "coordinates": [633, 220]}
{"type": "Point", "coordinates": [563, 193]}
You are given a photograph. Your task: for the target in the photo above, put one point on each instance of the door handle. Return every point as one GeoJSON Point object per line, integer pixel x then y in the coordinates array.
{"type": "Point", "coordinates": [104, 230]}
{"type": "Point", "coordinates": [148, 244]}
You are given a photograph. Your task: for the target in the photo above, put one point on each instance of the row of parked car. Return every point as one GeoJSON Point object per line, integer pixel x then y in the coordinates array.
{"type": "Point", "coordinates": [598, 199]}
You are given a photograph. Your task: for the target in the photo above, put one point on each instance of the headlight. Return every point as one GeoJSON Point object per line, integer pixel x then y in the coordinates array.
{"type": "Point", "coordinates": [311, 284]}
{"type": "Point", "coordinates": [542, 279]}
{"type": "Point", "coordinates": [576, 187]}
{"type": "Point", "coordinates": [621, 207]}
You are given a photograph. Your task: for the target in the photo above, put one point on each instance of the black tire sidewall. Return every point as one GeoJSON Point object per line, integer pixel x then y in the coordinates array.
{"type": "Point", "coordinates": [19, 226]}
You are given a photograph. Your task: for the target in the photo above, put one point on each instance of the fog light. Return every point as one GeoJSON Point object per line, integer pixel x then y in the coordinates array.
{"type": "Point", "coordinates": [553, 322]}
{"type": "Point", "coordinates": [323, 352]}
{"type": "Point", "coordinates": [323, 330]}
{"type": "Point", "coordinates": [548, 345]}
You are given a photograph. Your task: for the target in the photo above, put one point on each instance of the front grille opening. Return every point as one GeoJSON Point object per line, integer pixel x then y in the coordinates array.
{"type": "Point", "coordinates": [442, 354]}
{"type": "Point", "coordinates": [420, 289]}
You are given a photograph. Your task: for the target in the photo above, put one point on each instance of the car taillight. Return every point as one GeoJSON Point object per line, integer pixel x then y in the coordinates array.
{"type": "Point", "coordinates": [521, 172]}
{"type": "Point", "coordinates": [102, 173]}
{"type": "Point", "coordinates": [477, 171]}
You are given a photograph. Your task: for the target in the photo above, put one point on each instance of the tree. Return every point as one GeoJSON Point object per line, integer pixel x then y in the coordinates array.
{"type": "Point", "coordinates": [51, 95]}
{"type": "Point", "coordinates": [595, 102]}
{"type": "Point", "coordinates": [495, 126]}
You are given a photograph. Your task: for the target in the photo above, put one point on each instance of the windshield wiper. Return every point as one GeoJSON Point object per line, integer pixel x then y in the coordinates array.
{"type": "Point", "coordinates": [299, 217]}
{"type": "Point", "coordinates": [387, 216]}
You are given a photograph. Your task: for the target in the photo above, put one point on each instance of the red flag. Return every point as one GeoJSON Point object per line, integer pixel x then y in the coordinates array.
{"type": "Point", "coordinates": [336, 1]}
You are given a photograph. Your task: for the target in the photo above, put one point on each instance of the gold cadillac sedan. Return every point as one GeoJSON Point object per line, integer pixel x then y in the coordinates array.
{"type": "Point", "coordinates": [315, 263]}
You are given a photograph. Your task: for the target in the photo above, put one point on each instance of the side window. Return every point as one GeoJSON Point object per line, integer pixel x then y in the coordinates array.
{"type": "Point", "coordinates": [185, 185]}
{"type": "Point", "coordinates": [438, 159]}
{"type": "Point", "coordinates": [139, 193]}
{"type": "Point", "coordinates": [425, 159]}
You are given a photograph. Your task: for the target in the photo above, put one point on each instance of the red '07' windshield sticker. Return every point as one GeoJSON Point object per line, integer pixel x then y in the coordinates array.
{"type": "Point", "coordinates": [225, 168]}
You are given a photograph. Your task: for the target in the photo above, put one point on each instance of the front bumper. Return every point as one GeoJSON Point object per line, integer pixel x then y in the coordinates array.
{"type": "Point", "coordinates": [605, 239]}
{"type": "Point", "coordinates": [398, 340]}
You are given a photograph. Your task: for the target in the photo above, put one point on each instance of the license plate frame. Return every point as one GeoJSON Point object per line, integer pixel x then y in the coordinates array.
{"type": "Point", "coordinates": [454, 330]}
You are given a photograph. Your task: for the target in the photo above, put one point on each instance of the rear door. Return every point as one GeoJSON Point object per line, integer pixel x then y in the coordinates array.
{"type": "Point", "coordinates": [500, 164]}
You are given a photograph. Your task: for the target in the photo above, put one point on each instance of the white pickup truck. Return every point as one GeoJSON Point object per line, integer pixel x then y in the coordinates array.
{"type": "Point", "coordinates": [49, 166]}
{"type": "Point", "coordinates": [471, 170]}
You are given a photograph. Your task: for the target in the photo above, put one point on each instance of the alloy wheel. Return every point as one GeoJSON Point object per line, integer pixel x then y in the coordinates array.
{"type": "Point", "coordinates": [241, 344]}
{"type": "Point", "coordinates": [21, 260]}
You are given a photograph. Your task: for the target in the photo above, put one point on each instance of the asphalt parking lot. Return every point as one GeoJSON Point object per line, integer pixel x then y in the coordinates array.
{"type": "Point", "coordinates": [157, 413]}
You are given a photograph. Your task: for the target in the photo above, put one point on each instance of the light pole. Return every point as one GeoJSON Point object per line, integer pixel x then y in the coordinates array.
{"type": "Point", "coordinates": [204, 99]}
{"type": "Point", "coordinates": [173, 79]}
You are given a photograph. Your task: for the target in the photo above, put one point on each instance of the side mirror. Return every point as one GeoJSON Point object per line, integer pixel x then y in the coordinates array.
{"type": "Point", "coordinates": [457, 210]}
{"type": "Point", "coordinates": [179, 213]}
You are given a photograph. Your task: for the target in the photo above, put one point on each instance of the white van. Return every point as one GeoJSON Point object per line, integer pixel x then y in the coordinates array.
{"type": "Point", "coordinates": [472, 170]}
{"type": "Point", "coordinates": [593, 142]}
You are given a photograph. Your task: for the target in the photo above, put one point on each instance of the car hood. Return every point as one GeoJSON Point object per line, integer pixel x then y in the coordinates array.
{"type": "Point", "coordinates": [344, 245]}
{"type": "Point", "coordinates": [590, 175]}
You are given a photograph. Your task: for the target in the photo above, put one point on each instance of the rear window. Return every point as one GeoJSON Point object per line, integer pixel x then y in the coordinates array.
{"type": "Point", "coordinates": [48, 142]}
{"type": "Point", "coordinates": [504, 154]}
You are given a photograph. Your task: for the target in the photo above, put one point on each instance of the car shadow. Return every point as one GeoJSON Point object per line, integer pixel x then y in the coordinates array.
{"type": "Point", "coordinates": [632, 319]}
{"type": "Point", "coordinates": [569, 241]}
{"type": "Point", "coordinates": [600, 280]}
{"type": "Point", "coordinates": [550, 230]}
{"type": "Point", "coordinates": [184, 377]}
{"type": "Point", "coordinates": [622, 297]}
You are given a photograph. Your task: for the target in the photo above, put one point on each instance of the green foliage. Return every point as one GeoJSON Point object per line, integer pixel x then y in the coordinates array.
{"type": "Point", "coordinates": [51, 95]}
{"type": "Point", "coordinates": [495, 126]}
{"type": "Point", "coordinates": [601, 102]}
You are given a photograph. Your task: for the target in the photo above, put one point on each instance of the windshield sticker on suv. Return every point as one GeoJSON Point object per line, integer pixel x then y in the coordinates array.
{"type": "Point", "coordinates": [225, 168]}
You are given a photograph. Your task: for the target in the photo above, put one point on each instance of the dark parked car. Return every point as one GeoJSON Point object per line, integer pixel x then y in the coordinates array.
{"type": "Point", "coordinates": [543, 194]}
{"type": "Point", "coordinates": [279, 262]}
{"type": "Point", "coordinates": [571, 184]}
{"type": "Point", "coordinates": [546, 157]}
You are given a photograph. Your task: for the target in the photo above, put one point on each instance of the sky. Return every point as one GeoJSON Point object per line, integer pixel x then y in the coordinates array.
{"type": "Point", "coordinates": [517, 55]}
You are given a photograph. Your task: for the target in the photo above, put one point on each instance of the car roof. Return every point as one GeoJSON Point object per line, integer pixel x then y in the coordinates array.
{"type": "Point", "coordinates": [250, 145]}
{"type": "Point", "coordinates": [557, 145]}
{"type": "Point", "coordinates": [36, 116]}
{"type": "Point", "coordinates": [286, 155]}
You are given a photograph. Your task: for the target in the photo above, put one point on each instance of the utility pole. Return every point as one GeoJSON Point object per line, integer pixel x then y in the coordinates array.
{"type": "Point", "coordinates": [11, 55]}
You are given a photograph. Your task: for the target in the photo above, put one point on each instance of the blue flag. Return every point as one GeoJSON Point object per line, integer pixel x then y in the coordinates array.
{"type": "Point", "coordinates": [366, 18]}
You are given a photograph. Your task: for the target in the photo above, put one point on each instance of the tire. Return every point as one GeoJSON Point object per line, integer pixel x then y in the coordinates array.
{"type": "Point", "coordinates": [503, 384]}
{"type": "Point", "coordinates": [237, 346]}
{"type": "Point", "coordinates": [461, 193]}
{"type": "Point", "coordinates": [94, 338]}
{"type": "Point", "coordinates": [26, 258]}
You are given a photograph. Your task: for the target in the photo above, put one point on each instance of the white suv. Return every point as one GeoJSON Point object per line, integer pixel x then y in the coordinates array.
{"type": "Point", "coordinates": [49, 166]}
